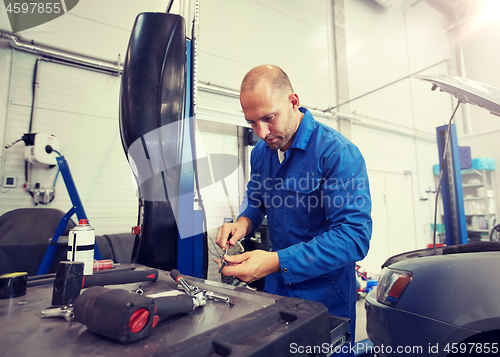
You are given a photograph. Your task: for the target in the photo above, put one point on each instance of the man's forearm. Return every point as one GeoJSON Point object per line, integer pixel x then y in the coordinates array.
{"type": "Point", "coordinates": [246, 224]}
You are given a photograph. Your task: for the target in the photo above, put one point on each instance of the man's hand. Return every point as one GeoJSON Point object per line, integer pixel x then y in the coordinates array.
{"type": "Point", "coordinates": [239, 230]}
{"type": "Point", "coordinates": [250, 266]}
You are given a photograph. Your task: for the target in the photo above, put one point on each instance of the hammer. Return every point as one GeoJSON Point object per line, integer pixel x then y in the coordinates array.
{"type": "Point", "coordinates": [70, 280]}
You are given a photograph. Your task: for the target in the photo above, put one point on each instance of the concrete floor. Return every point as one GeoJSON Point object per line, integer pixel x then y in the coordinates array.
{"type": "Point", "coordinates": [360, 321]}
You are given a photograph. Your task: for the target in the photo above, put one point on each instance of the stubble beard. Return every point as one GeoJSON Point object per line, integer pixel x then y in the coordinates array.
{"type": "Point", "coordinates": [286, 136]}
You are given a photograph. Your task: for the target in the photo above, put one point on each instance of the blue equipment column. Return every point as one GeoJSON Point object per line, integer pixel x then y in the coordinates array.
{"type": "Point", "coordinates": [453, 197]}
{"type": "Point", "coordinates": [190, 257]}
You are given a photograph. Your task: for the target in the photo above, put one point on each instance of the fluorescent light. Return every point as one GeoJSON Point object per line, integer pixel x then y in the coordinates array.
{"type": "Point", "coordinates": [491, 10]}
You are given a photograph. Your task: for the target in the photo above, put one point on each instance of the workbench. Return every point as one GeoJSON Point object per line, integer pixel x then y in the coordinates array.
{"type": "Point", "coordinates": [255, 324]}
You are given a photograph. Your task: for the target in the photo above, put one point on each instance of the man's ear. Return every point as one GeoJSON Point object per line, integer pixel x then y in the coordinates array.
{"type": "Point", "coordinates": [294, 99]}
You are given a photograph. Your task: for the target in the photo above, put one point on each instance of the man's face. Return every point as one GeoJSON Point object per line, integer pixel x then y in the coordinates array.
{"type": "Point", "coordinates": [272, 116]}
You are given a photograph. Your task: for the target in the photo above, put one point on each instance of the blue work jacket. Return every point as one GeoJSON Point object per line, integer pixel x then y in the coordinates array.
{"type": "Point", "coordinates": [318, 208]}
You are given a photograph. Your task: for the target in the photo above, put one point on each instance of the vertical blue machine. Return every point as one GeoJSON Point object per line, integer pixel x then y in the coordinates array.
{"type": "Point", "coordinates": [466, 91]}
{"type": "Point", "coordinates": [453, 197]}
{"type": "Point", "coordinates": [191, 250]}
{"type": "Point", "coordinates": [157, 130]}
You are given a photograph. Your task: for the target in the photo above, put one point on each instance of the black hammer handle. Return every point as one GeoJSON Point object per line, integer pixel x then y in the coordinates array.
{"type": "Point", "coordinates": [173, 305]}
{"type": "Point", "coordinates": [120, 277]}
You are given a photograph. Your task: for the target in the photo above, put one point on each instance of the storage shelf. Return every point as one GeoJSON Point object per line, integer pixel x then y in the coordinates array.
{"type": "Point", "coordinates": [472, 185]}
{"type": "Point", "coordinates": [470, 172]}
{"type": "Point", "coordinates": [482, 180]}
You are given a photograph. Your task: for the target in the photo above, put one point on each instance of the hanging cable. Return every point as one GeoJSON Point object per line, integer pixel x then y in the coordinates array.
{"type": "Point", "coordinates": [169, 6]}
{"type": "Point", "coordinates": [194, 89]}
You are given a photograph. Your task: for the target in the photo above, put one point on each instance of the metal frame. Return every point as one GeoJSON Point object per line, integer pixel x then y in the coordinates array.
{"type": "Point", "coordinates": [77, 208]}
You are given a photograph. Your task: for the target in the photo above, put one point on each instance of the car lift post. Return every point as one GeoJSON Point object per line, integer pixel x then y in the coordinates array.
{"type": "Point", "coordinates": [453, 197]}
{"type": "Point", "coordinates": [190, 255]}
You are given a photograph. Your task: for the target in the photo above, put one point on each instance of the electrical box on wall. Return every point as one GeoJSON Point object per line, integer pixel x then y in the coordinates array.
{"type": "Point", "coordinates": [9, 181]}
{"type": "Point", "coordinates": [35, 151]}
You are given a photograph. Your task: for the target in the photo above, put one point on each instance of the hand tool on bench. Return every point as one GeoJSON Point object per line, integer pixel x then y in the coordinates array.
{"type": "Point", "coordinates": [126, 316]}
{"type": "Point", "coordinates": [200, 295]}
{"type": "Point", "coordinates": [69, 280]}
{"type": "Point", "coordinates": [119, 314]}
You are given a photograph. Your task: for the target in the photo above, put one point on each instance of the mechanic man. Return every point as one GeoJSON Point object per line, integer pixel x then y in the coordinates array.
{"type": "Point", "coordinates": [312, 184]}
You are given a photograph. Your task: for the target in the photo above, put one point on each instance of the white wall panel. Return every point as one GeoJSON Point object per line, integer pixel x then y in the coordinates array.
{"type": "Point", "coordinates": [219, 109]}
{"type": "Point", "coordinates": [93, 94]}
{"type": "Point", "coordinates": [311, 13]}
{"type": "Point", "coordinates": [425, 187]}
{"type": "Point", "coordinates": [385, 46]}
{"type": "Point", "coordinates": [94, 28]}
{"type": "Point", "coordinates": [400, 170]}
{"type": "Point", "coordinates": [79, 107]}
{"type": "Point", "coordinates": [427, 39]}
{"type": "Point", "coordinates": [218, 139]}
{"type": "Point", "coordinates": [392, 104]}
{"type": "Point", "coordinates": [385, 151]}
{"type": "Point", "coordinates": [400, 211]}
{"type": "Point", "coordinates": [429, 44]}
{"type": "Point", "coordinates": [238, 35]}
{"type": "Point", "coordinates": [379, 243]}
{"type": "Point", "coordinates": [431, 108]}
{"type": "Point", "coordinates": [481, 64]}
{"type": "Point", "coordinates": [376, 46]}
{"type": "Point", "coordinates": [392, 214]}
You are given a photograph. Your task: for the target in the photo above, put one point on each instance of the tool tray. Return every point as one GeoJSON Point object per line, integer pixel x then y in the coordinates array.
{"type": "Point", "coordinates": [257, 324]}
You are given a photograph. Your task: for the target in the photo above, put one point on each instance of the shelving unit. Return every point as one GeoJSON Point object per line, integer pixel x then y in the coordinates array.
{"type": "Point", "coordinates": [479, 201]}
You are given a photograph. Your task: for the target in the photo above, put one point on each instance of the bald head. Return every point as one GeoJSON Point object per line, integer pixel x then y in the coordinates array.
{"type": "Point", "coordinates": [270, 106]}
{"type": "Point", "coordinates": [269, 77]}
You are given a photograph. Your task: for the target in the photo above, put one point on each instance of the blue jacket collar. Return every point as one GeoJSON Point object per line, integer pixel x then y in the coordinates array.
{"type": "Point", "coordinates": [304, 131]}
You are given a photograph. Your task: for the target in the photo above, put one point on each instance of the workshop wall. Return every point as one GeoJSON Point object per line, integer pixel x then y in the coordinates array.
{"type": "Point", "coordinates": [481, 57]}
{"type": "Point", "coordinates": [236, 36]}
{"type": "Point", "coordinates": [217, 138]}
{"type": "Point", "coordinates": [394, 125]}
{"type": "Point", "coordinates": [394, 117]}
{"type": "Point", "coordinates": [384, 46]}
{"type": "Point", "coordinates": [80, 108]}
{"type": "Point", "coordinates": [94, 28]}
